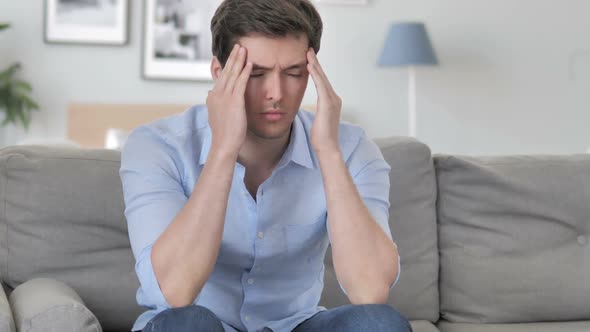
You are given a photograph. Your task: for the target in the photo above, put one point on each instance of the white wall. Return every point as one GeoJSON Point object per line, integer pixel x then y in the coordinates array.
{"type": "Point", "coordinates": [514, 75]}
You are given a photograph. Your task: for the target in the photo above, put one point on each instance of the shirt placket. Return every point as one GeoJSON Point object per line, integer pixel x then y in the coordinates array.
{"type": "Point", "coordinates": [250, 276]}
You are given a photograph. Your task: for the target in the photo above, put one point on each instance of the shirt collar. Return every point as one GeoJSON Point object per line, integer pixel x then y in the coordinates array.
{"type": "Point", "coordinates": [297, 151]}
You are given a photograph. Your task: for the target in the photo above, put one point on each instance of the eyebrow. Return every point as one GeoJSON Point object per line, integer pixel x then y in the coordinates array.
{"type": "Point", "coordinates": [295, 66]}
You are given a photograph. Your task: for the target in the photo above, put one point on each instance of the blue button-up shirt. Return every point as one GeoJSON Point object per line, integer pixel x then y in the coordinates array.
{"type": "Point", "coordinates": [269, 271]}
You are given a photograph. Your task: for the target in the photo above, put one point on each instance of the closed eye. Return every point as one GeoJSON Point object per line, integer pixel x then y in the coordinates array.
{"type": "Point", "coordinates": [260, 74]}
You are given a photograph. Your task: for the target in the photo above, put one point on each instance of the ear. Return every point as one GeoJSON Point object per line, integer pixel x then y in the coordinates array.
{"type": "Point", "coordinates": [216, 68]}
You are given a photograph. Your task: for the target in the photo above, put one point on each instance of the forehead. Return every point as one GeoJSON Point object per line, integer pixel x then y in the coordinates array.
{"type": "Point", "coordinates": [272, 51]}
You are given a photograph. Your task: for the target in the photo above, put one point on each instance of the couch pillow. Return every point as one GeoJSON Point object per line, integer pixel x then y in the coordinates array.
{"type": "Point", "coordinates": [6, 320]}
{"type": "Point", "coordinates": [514, 238]}
{"type": "Point", "coordinates": [47, 305]}
{"type": "Point", "coordinates": [61, 217]}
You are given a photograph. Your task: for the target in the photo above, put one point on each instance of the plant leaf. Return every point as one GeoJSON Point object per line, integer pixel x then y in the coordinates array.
{"type": "Point", "coordinates": [15, 98]}
{"type": "Point", "coordinates": [23, 85]}
{"type": "Point", "coordinates": [4, 26]}
{"type": "Point", "coordinates": [24, 119]}
{"type": "Point", "coordinates": [7, 74]}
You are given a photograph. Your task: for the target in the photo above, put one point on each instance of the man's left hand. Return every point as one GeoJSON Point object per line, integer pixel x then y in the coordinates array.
{"type": "Point", "coordinates": [324, 132]}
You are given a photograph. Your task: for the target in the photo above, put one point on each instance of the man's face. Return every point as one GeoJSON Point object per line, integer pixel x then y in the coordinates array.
{"type": "Point", "coordinates": [277, 83]}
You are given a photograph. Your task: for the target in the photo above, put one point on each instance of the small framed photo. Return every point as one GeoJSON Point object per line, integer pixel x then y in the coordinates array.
{"type": "Point", "coordinates": [102, 22]}
{"type": "Point", "coordinates": [177, 39]}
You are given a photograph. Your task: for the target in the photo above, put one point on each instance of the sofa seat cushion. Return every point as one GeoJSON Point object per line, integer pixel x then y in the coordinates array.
{"type": "Point", "coordinates": [582, 326]}
{"type": "Point", "coordinates": [423, 326]}
{"type": "Point", "coordinates": [48, 305]}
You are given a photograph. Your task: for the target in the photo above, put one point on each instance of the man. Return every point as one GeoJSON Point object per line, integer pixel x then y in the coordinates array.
{"type": "Point", "coordinates": [231, 207]}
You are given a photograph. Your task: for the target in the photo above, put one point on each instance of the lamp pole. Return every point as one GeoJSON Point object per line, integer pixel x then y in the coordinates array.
{"type": "Point", "coordinates": [412, 101]}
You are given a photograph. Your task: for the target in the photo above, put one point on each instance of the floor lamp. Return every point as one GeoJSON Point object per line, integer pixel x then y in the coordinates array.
{"type": "Point", "coordinates": [408, 45]}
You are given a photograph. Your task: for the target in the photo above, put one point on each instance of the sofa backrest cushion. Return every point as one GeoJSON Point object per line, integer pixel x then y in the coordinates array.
{"type": "Point", "coordinates": [412, 221]}
{"type": "Point", "coordinates": [514, 238]}
{"type": "Point", "coordinates": [62, 218]}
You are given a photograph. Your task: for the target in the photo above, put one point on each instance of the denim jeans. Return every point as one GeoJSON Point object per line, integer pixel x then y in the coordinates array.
{"type": "Point", "coordinates": [357, 318]}
{"type": "Point", "coordinates": [190, 318]}
{"type": "Point", "coordinates": [348, 318]}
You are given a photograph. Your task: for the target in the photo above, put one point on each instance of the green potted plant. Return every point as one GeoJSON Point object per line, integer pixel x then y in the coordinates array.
{"type": "Point", "coordinates": [15, 100]}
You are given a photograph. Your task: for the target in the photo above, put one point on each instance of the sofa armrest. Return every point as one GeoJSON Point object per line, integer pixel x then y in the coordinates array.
{"type": "Point", "coordinates": [45, 304]}
{"type": "Point", "coordinates": [6, 320]}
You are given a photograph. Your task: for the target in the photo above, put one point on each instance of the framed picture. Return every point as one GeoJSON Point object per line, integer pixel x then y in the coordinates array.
{"type": "Point", "coordinates": [87, 21]}
{"type": "Point", "coordinates": [177, 39]}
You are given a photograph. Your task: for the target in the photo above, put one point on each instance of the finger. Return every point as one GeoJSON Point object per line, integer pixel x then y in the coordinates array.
{"type": "Point", "coordinates": [221, 83]}
{"type": "Point", "coordinates": [236, 64]}
{"type": "Point", "coordinates": [318, 80]}
{"type": "Point", "coordinates": [242, 80]}
{"type": "Point", "coordinates": [312, 58]}
{"type": "Point", "coordinates": [236, 70]}
{"type": "Point", "coordinates": [227, 66]}
{"type": "Point", "coordinates": [329, 90]}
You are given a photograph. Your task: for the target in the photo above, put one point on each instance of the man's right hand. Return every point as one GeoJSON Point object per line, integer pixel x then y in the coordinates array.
{"type": "Point", "coordinates": [226, 105]}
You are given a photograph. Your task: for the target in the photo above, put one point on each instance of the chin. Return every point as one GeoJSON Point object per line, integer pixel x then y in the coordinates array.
{"type": "Point", "coordinates": [271, 130]}
{"type": "Point", "coordinates": [270, 133]}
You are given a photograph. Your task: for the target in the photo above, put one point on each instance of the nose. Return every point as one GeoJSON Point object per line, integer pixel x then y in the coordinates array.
{"type": "Point", "coordinates": [274, 88]}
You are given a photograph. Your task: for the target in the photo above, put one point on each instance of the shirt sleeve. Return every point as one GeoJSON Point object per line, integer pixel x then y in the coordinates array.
{"type": "Point", "coordinates": [153, 193]}
{"type": "Point", "coordinates": [370, 174]}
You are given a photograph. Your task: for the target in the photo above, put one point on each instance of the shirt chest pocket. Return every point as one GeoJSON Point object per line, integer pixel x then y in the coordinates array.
{"type": "Point", "coordinates": [302, 238]}
{"type": "Point", "coordinates": [306, 247]}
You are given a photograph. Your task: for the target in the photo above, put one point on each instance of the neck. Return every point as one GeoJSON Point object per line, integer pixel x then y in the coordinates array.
{"type": "Point", "coordinates": [258, 152]}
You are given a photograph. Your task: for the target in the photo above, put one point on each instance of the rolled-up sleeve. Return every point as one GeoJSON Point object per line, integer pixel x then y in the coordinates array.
{"type": "Point", "coordinates": [370, 173]}
{"type": "Point", "coordinates": [153, 193]}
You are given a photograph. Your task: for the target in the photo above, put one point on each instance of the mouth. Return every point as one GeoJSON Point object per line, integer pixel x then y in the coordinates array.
{"type": "Point", "coordinates": [273, 115]}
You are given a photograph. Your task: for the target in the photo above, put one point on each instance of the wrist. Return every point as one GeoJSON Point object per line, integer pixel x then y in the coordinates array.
{"type": "Point", "coordinates": [220, 153]}
{"type": "Point", "coordinates": [327, 154]}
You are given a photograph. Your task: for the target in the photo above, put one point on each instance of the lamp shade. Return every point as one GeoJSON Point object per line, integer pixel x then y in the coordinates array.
{"type": "Point", "coordinates": [407, 44]}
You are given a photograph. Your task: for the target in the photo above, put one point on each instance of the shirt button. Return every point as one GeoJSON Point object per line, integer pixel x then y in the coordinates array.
{"type": "Point", "coordinates": [250, 281]}
{"type": "Point", "coordinates": [582, 240]}
{"type": "Point", "coordinates": [260, 235]}
{"type": "Point", "coordinates": [247, 318]}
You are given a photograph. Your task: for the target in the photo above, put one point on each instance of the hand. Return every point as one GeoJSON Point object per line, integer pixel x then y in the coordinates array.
{"type": "Point", "coordinates": [324, 132]}
{"type": "Point", "coordinates": [226, 105]}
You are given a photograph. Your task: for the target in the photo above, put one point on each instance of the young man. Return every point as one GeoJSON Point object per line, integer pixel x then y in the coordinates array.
{"type": "Point", "coordinates": [231, 207]}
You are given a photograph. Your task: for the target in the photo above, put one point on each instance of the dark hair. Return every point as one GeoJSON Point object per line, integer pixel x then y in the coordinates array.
{"type": "Point", "coordinates": [274, 18]}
